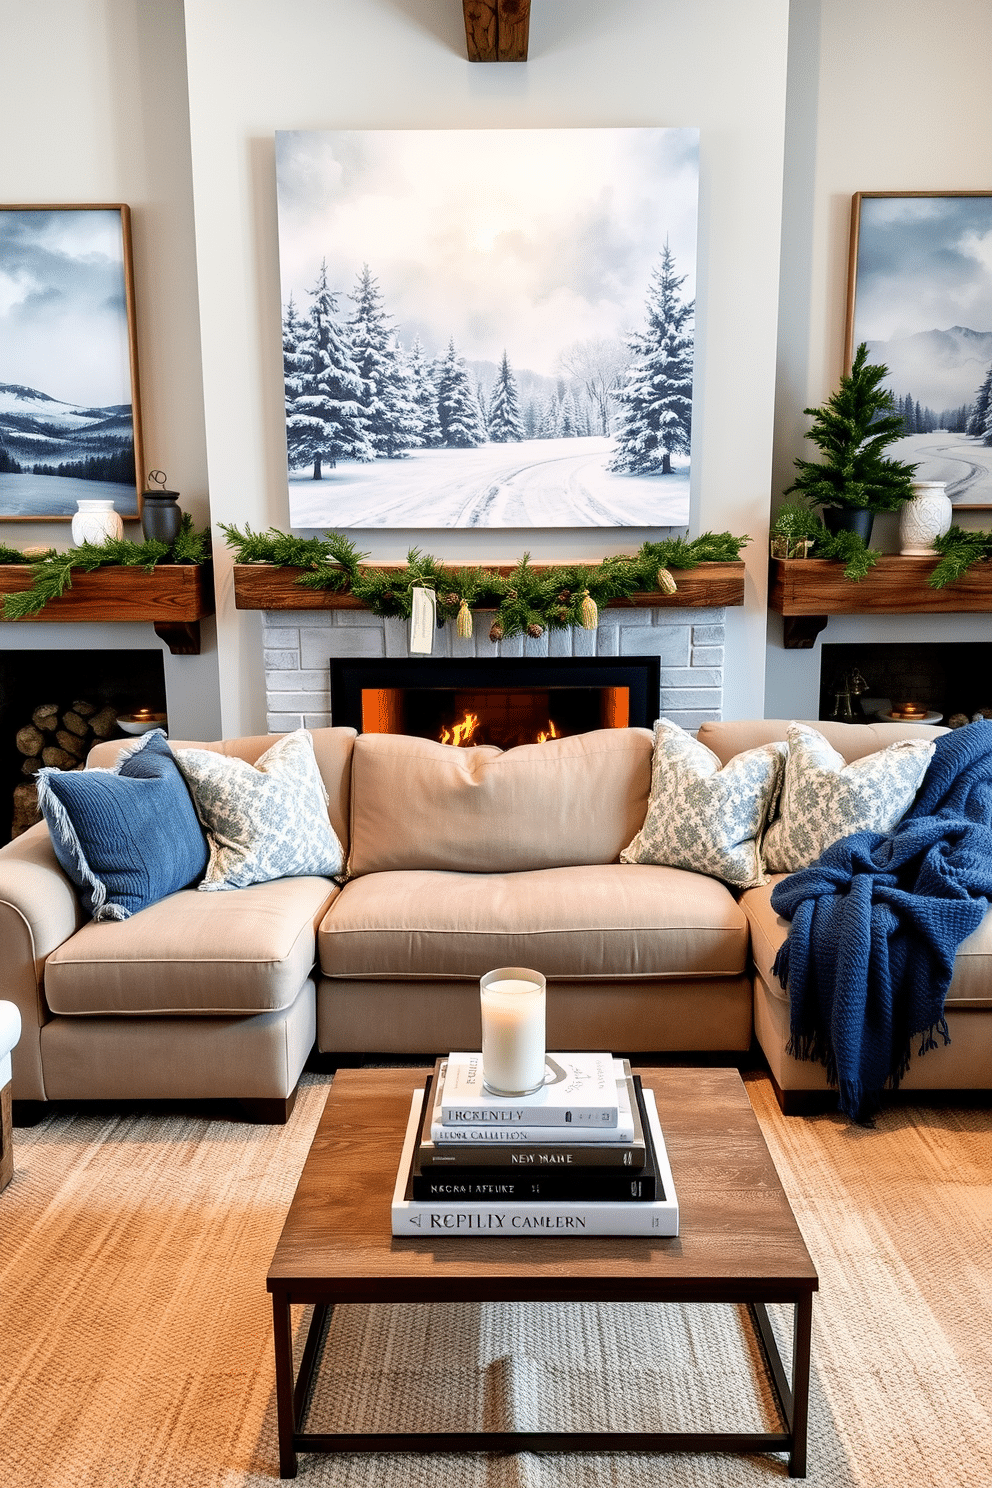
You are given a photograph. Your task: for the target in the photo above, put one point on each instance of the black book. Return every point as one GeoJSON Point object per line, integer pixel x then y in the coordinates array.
{"type": "Point", "coordinates": [555, 1154]}
{"type": "Point", "coordinates": [462, 1182]}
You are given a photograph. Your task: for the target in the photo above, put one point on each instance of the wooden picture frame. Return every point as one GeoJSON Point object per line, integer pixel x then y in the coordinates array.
{"type": "Point", "coordinates": [920, 295]}
{"type": "Point", "coordinates": [70, 411]}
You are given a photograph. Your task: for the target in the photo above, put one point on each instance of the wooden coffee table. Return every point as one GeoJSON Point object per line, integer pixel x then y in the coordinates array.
{"type": "Point", "coordinates": [739, 1243]}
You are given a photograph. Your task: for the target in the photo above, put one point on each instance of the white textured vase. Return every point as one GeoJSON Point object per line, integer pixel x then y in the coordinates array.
{"type": "Point", "coordinates": [95, 521]}
{"type": "Point", "coordinates": [925, 518]}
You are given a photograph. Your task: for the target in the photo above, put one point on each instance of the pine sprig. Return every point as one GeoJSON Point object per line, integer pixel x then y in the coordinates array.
{"type": "Point", "coordinates": [51, 575]}
{"type": "Point", "coordinates": [959, 551]}
{"type": "Point", "coordinates": [526, 600]}
{"type": "Point", "coordinates": [850, 549]}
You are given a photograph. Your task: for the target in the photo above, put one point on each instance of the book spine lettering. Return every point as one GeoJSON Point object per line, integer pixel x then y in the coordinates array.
{"type": "Point", "coordinates": [536, 1219]}
{"type": "Point", "coordinates": [622, 1132]}
{"type": "Point", "coordinates": [532, 1159]}
{"type": "Point", "coordinates": [600, 1184]}
{"type": "Point", "coordinates": [587, 1116]}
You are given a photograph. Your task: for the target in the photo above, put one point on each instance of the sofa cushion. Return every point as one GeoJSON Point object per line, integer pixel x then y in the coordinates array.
{"type": "Point", "coordinates": [331, 747]}
{"type": "Point", "coordinates": [824, 800]}
{"type": "Point", "coordinates": [244, 952]}
{"type": "Point", "coordinates": [421, 805]}
{"type": "Point", "coordinates": [971, 984]}
{"type": "Point", "coordinates": [727, 737]}
{"type": "Point", "coordinates": [126, 836]}
{"type": "Point", "coordinates": [608, 920]}
{"type": "Point", "coordinates": [703, 816]}
{"type": "Point", "coordinates": [264, 820]}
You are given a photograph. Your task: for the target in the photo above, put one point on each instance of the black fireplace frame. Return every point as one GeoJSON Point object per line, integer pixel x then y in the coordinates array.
{"type": "Point", "coordinates": [350, 675]}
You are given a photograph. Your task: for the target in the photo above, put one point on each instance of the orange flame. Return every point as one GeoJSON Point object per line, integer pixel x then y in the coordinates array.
{"type": "Point", "coordinates": [551, 734]}
{"type": "Point", "coordinates": [463, 732]}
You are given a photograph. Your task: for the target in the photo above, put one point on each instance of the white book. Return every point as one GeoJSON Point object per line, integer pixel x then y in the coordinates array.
{"type": "Point", "coordinates": [420, 1217]}
{"type": "Point", "coordinates": [579, 1090]}
{"type": "Point", "coordinates": [509, 1132]}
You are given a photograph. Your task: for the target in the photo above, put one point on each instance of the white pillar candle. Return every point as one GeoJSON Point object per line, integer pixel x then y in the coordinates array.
{"type": "Point", "coordinates": [513, 1030]}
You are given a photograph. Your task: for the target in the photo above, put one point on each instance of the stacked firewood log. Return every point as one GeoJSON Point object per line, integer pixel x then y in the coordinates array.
{"type": "Point", "coordinates": [57, 735]}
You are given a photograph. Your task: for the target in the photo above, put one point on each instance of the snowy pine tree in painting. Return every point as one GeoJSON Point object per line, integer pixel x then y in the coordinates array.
{"type": "Point", "coordinates": [325, 422]}
{"type": "Point", "coordinates": [296, 363]}
{"type": "Point", "coordinates": [424, 393]}
{"type": "Point", "coordinates": [655, 419]}
{"type": "Point", "coordinates": [980, 421]}
{"type": "Point", "coordinates": [387, 404]}
{"type": "Point", "coordinates": [568, 422]}
{"type": "Point", "coordinates": [549, 419]}
{"type": "Point", "coordinates": [457, 404]}
{"type": "Point", "coordinates": [505, 423]}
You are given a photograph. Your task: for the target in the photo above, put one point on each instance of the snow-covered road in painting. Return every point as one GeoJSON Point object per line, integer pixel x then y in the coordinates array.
{"type": "Point", "coordinates": [963, 462]}
{"type": "Point", "coordinates": [538, 483]}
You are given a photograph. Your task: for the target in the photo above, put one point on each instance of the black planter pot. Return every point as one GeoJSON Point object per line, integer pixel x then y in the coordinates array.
{"type": "Point", "coordinates": [849, 519]}
{"type": "Point", "coordinates": [161, 518]}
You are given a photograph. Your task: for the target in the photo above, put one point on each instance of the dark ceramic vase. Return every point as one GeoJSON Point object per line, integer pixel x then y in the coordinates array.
{"type": "Point", "coordinates": [849, 519]}
{"type": "Point", "coordinates": [161, 517]}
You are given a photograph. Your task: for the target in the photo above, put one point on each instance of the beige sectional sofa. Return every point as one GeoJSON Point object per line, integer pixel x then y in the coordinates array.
{"type": "Point", "coordinates": [459, 861]}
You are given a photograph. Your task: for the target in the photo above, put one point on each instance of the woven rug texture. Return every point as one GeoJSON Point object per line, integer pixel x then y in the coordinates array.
{"type": "Point", "coordinates": [135, 1328]}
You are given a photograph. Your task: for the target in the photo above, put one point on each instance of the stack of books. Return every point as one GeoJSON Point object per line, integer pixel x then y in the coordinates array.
{"type": "Point", "coordinates": [584, 1155]}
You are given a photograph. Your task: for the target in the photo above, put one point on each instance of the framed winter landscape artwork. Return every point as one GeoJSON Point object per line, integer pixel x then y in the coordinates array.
{"type": "Point", "coordinates": [920, 295]}
{"type": "Point", "coordinates": [488, 328]}
{"type": "Point", "coordinates": [69, 425]}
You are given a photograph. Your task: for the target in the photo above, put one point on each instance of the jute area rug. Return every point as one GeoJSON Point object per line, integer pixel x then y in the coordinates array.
{"type": "Point", "coordinates": [135, 1332]}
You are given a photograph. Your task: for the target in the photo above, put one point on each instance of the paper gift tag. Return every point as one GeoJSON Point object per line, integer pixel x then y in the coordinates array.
{"type": "Point", "coordinates": [423, 621]}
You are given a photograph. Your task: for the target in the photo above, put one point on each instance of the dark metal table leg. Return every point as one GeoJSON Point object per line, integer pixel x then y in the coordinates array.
{"type": "Point", "coordinates": [802, 1333]}
{"type": "Point", "coordinates": [282, 1332]}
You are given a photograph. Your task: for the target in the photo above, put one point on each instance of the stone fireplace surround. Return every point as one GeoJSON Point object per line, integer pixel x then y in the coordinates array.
{"type": "Point", "coordinates": [298, 644]}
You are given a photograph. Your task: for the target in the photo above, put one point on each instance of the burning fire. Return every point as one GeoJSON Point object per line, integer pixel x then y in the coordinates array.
{"type": "Point", "coordinates": [463, 732]}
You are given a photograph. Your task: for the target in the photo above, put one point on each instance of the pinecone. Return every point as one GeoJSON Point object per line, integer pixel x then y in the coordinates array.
{"type": "Point", "coordinates": [562, 613]}
{"type": "Point", "coordinates": [564, 597]}
{"type": "Point", "coordinates": [534, 630]}
{"type": "Point", "coordinates": [452, 599]}
{"type": "Point", "coordinates": [495, 631]}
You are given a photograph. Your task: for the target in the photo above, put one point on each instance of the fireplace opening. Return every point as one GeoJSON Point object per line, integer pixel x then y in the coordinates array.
{"type": "Point", "coordinates": [502, 701]}
{"type": "Point", "coordinates": [54, 705]}
{"type": "Point", "coordinates": [947, 682]}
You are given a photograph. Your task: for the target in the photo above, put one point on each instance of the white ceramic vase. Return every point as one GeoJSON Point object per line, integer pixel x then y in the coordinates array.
{"type": "Point", "coordinates": [95, 521]}
{"type": "Point", "coordinates": [924, 518]}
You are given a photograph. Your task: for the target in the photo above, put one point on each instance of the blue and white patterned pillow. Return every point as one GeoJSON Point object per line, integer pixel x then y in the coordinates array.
{"type": "Point", "coordinates": [705, 817]}
{"type": "Point", "coordinates": [266, 820]}
{"type": "Point", "coordinates": [823, 799]}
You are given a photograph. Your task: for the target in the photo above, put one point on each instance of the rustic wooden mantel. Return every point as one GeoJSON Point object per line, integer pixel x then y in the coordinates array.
{"type": "Point", "coordinates": [806, 591]}
{"type": "Point", "coordinates": [261, 586]}
{"type": "Point", "coordinates": [174, 597]}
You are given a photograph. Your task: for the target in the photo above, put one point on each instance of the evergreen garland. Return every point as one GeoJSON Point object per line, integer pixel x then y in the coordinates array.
{"type": "Point", "coordinates": [51, 574]}
{"type": "Point", "coordinates": [959, 550]}
{"type": "Point", "coordinates": [527, 600]}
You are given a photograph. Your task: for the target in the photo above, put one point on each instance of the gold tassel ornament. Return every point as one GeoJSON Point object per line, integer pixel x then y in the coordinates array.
{"type": "Point", "coordinates": [666, 583]}
{"type": "Point", "coordinates": [463, 621]}
{"type": "Point", "coordinates": [590, 611]}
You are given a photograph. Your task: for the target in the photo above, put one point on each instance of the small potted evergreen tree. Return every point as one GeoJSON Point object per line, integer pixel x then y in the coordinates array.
{"type": "Point", "coordinates": [854, 426]}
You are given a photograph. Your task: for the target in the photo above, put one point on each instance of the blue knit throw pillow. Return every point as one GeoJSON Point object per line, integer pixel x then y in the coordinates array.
{"type": "Point", "coordinates": [127, 836]}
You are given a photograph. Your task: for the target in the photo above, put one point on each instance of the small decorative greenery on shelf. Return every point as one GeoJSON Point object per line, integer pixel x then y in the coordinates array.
{"type": "Point", "coordinates": [851, 429]}
{"type": "Point", "coordinates": [959, 551]}
{"type": "Point", "coordinates": [526, 600]}
{"type": "Point", "coordinates": [796, 523]}
{"type": "Point", "coordinates": [51, 571]}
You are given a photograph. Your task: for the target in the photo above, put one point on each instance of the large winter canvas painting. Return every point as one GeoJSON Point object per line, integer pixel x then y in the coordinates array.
{"type": "Point", "coordinates": [69, 423]}
{"type": "Point", "coordinates": [921, 297]}
{"type": "Point", "coordinates": [488, 328]}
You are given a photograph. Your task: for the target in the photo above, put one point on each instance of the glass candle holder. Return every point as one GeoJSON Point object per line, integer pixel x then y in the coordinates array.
{"type": "Point", "coordinates": [513, 1030]}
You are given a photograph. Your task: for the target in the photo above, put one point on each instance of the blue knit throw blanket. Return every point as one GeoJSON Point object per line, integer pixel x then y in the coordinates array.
{"type": "Point", "coordinates": [876, 923]}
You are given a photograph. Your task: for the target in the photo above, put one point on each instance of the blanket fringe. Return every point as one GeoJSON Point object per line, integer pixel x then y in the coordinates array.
{"type": "Point", "coordinates": [780, 966]}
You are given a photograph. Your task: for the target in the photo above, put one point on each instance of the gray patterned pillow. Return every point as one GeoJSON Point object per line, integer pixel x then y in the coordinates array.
{"type": "Point", "coordinates": [266, 820]}
{"type": "Point", "coordinates": [704, 817]}
{"type": "Point", "coordinates": [824, 800]}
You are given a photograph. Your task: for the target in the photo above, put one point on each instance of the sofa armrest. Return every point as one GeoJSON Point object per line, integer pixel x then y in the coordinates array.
{"type": "Point", "coordinates": [39, 909]}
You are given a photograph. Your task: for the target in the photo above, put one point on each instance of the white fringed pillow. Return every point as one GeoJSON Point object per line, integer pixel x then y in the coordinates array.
{"type": "Point", "coordinates": [823, 799]}
{"type": "Point", "coordinates": [707, 817]}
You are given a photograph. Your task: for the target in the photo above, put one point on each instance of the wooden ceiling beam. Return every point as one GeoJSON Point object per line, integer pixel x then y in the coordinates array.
{"type": "Point", "coordinates": [497, 30]}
